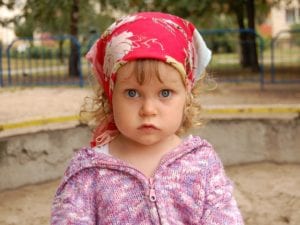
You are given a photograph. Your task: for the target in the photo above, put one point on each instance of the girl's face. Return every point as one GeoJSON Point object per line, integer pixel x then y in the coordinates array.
{"type": "Point", "coordinates": [150, 111]}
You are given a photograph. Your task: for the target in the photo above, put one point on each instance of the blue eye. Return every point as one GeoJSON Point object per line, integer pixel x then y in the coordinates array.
{"type": "Point", "coordinates": [132, 93]}
{"type": "Point", "coordinates": [165, 93]}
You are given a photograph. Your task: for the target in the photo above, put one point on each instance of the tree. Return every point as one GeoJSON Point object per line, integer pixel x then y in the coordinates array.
{"type": "Point", "coordinates": [244, 12]}
{"type": "Point", "coordinates": [246, 16]}
{"type": "Point", "coordinates": [51, 17]}
{"type": "Point", "coordinates": [24, 29]}
{"type": "Point", "coordinates": [64, 17]}
{"type": "Point", "coordinates": [60, 17]}
{"type": "Point", "coordinates": [75, 54]}
{"type": "Point", "coordinates": [9, 4]}
{"type": "Point", "coordinates": [295, 36]}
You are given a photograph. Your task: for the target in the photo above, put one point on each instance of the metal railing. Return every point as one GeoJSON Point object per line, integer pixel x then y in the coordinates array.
{"type": "Point", "coordinates": [46, 61]}
{"type": "Point", "coordinates": [230, 49]}
{"type": "Point", "coordinates": [32, 62]}
{"type": "Point", "coordinates": [285, 57]}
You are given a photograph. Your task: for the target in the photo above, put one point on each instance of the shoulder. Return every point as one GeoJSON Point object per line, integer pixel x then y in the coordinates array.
{"type": "Point", "coordinates": [83, 158]}
{"type": "Point", "coordinates": [86, 159]}
{"type": "Point", "coordinates": [201, 149]}
{"type": "Point", "coordinates": [197, 145]}
{"type": "Point", "coordinates": [195, 141]}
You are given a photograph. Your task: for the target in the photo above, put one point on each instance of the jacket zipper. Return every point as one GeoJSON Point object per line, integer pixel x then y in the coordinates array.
{"type": "Point", "coordinates": [151, 190]}
{"type": "Point", "coordinates": [152, 198]}
{"type": "Point", "coordinates": [152, 194]}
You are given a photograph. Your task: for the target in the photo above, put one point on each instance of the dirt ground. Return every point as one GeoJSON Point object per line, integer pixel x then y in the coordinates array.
{"type": "Point", "coordinates": [268, 194]}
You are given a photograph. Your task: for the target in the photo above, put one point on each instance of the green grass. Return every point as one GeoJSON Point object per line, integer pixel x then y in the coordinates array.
{"type": "Point", "coordinates": [29, 63]}
{"type": "Point", "coordinates": [35, 63]}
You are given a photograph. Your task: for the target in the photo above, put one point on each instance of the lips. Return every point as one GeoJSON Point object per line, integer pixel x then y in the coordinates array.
{"type": "Point", "coordinates": [148, 127]}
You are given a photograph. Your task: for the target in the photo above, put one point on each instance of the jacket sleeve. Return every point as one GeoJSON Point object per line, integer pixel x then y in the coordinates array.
{"type": "Point", "coordinates": [220, 206]}
{"type": "Point", "coordinates": [74, 202]}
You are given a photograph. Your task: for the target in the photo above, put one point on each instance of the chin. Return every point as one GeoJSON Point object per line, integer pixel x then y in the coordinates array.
{"type": "Point", "coordinates": [147, 142]}
{"type": "Point", "coordinates": [151, 140]}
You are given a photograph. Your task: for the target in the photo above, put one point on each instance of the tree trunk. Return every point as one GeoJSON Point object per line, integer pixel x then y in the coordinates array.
{"type": "Point", "coordinates": [61, 51]}
{"type": "Point", "coordinates": [248, 57]}
{"type": "Point", "coordinates": [242, 36]}
{"type": "Point", "coordinates": [253, 59]}
{"type": "Point", "coordinates": [74, 51]}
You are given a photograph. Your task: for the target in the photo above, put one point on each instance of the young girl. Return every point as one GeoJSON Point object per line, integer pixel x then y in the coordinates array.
{"type": "Point", "coordinates": [139, 170]}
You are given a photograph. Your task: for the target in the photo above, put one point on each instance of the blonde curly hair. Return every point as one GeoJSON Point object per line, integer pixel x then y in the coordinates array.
{"type": "Point", "coordinates": [96, 109]}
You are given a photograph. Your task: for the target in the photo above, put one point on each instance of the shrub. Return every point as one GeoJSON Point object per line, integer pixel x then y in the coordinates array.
{"type": "Point", "coordinates": [295, 35]}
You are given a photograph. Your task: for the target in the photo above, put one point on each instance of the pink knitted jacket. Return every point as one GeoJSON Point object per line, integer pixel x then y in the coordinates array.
{"type": "Point", "coordinates": [188, 187]}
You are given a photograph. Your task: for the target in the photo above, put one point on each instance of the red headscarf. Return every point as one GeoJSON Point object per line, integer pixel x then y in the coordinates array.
{"type": "Point", "coordinates": [146, 35]}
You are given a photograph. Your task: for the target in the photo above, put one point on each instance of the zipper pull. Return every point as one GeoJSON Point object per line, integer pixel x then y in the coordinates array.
{"type": "Point", "coordinates": [152, 195]}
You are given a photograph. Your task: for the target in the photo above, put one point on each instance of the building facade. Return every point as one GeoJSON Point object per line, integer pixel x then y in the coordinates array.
{"type": "Point", "coordinates": [285, 15]}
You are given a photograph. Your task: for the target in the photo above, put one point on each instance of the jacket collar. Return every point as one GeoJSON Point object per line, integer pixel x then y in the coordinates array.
{"type": "Point", "coordinates": [89, 158]}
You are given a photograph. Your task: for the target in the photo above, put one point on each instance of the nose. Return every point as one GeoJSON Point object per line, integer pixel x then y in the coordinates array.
{"type": "Point", "coordinates": [148, 107]}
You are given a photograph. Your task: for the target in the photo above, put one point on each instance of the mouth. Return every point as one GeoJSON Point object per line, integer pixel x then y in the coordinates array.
{"type": "Point", "coordinates": [148, 127]}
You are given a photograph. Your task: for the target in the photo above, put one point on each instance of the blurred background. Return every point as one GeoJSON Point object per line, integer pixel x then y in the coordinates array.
{"type": "Point", "coordinates": [43, 42]}
{"type": "Point", "coordinates": [251, 107]}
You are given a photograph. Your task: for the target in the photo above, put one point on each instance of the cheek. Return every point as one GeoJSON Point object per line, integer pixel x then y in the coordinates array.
{"type": "Point", "coordinates": [117, 109]}
{"type": "Point", "coordinates": [182, 103]}
{"type": "Point", "coordinates": [123, 113]}
{"type": "Point", "coordinates": [177, 111]}
{"type": "Point", "coordinates": [119, 119]}
{"type": "Point", "coordinates": [182, 112]}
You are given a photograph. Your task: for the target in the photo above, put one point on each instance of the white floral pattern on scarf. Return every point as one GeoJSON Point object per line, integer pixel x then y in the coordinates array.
{"type": "Point", "coordinates": [118, 23]}
{"type": "Point", "coordinates": [116, 49]}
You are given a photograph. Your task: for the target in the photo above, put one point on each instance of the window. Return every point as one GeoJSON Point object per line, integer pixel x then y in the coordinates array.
{"type": "Point", "coordinates": [290, 16]}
